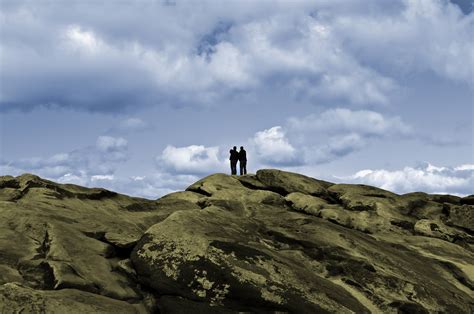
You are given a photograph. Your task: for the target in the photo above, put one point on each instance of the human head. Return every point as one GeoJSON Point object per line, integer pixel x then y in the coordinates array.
{"type": "Point", "coordinates": [241, 148]}
{"type": "Point", "coordinates": [235, 147]}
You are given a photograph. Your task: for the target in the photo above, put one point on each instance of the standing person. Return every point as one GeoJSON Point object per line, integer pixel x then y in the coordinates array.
{"type": "Point", "coordinates": [243, 160]}
{"type": "Point", "coordinates": [234, 157]}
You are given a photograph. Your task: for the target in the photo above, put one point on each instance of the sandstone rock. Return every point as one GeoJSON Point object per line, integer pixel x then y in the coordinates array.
{"type": "Point", "coordinates": [445, 198]}
{"type": "Point", "coordinates": [435, 229]}
{"type": "Point", "coordinates": [15, 298]}
{"type": "Point", "coordinates": [462, 216]}
{"type": "Point", "coordinates": [214, 183]}
{"type": "Point", "coordinates": [468, 200]}
{"type": "Point", "coordinates": [270, 242]}
{"type": "Point", "coordinates": [420, 205]}
{"type": "Point", "coordinates": [251, 181]}
{"type": "Point", "coordinates": [70, 237]}
{"type": "Point", "coordinates": [183, 196]}
{"type": "Point", "coordinates": [361, 197]}
{"type": "Point", "coordinates": [286, 182]}
{"type": "Point", "coordinates": [308, 204]}
{"type": "Point", "coordinates": [196, 256]}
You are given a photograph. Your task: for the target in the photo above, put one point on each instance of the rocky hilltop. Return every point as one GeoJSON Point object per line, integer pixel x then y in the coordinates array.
{"type": "Point", "coordinates": [271, 242]}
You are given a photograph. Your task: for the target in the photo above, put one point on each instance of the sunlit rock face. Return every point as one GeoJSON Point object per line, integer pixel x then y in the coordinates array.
{"type": "Point", "coordinates": [271, 242]}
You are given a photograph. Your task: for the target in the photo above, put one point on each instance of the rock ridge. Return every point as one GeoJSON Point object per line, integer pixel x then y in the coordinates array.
{"type": "Point", "coordinates": [273, 241]}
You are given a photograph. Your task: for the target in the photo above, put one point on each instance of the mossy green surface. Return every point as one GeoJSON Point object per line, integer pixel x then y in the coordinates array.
{"type": "Point", "coordinates": [270, 242]}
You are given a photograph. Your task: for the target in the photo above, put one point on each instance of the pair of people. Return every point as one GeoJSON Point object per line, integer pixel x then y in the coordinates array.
{"type": "Point", "coordinates": [241, 157]}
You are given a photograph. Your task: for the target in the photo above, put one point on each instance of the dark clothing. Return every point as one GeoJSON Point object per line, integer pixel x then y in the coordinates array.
{"type": "Point", "coordinates": [233, 166]}
{"type": "Point", "coordinates": [243, 155]}
{"type": "Point", "coordinates": [243, 161]}
{"type": "Point", "coordinates": [243, 167]}
{"type": "Point", "coordinates": [234, 157]}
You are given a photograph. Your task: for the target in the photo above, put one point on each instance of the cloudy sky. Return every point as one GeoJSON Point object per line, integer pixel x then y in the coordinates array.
{"type": "Point", "coordinates": [146, 96]}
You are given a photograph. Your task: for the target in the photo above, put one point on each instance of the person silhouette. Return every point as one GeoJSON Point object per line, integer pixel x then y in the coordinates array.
{"type": "Point", "coordinates": [243, 160]}
{"type": "Point", "coordinates": [234, 157]}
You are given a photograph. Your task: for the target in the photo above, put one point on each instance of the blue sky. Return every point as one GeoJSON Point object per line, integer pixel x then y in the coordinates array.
{"type": "Point", "coordinates": [145, 97]}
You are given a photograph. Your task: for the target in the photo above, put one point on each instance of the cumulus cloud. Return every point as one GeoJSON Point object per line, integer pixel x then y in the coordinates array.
{"type": "Point", "coordinates": [151, 186]}
{"type": "Point", "coordinates": [413, 40]}
{"type": "Point", "coordinates": [426, 177]}
{"type": "Point", "coordinates": [273, 148]}
{"type": "Point", "coordinates": [97, 165]}
{"type": "Point", "coordinates": [111, 144]}
{"type": "Point", "coordinates": [96, 162]}
{"type": "Point", "coordinates": [325, 137]}
{"type": "Point", "coordinates": [342, 120]}
{"type": "Point", "coordinates": [193, 159]}
{"type": "Point", "coordinates": [190, 54]}
{"type": "Point", "coordinates": [335, 147]}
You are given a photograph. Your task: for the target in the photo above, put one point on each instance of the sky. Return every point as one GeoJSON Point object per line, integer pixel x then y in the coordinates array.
{"type": "Point", "coordinates": [145, 97]}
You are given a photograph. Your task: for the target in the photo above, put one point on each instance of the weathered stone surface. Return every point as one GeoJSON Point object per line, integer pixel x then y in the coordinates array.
{"type": "Point", "coordinates": [359, 242]}
{"type": "Point", "coordinates": [435, 229]}
{"type": "Point", "coordinates": [15, 298]}
{"type": "Point", "coordinates": [462, 216]}
{"type": "Point", "coordinates": [57, 237]}
{"type": "Point", "coordinates": [468, 200]}
{"type": "Point", "coordinates": [286, 182]}
{"type": "Point", "coordinates": [215, 183]}
{"type": "Point", "coordinates": [251, 181]}
{"type": "Point", "coordinates": [309, 204]}
{"type": "Point", "coordinates": [198, 257]}
{"type": "Point", "coordinates": [270, 242]}
{"type": "Point", "coordinates": [445, 198]}
{"type": "Point", "coordinates": [361, 197]}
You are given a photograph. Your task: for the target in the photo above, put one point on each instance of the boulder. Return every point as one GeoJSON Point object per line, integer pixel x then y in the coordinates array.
{"type": "Point", "coordinates": [437, 229]}
{"type": "Point", "coordinates": [462, 216]}
{"type": "Point", "coordinates": [212, 256]}
{"type": "Point", "coordinates": [309, 204]}
{"type": "Point", "coordinates": [360, 197]}
{"type": "Point", "coordinates": [468, 200]}
{"type": "Point", "coordinates": [286, 182]}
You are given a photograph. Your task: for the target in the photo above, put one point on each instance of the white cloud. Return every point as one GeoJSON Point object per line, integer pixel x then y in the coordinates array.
{"type": "Point", "coordinates": [328, 136]}
{"type": "Point", "coordinates": [272, 147]}
{"type": "Point", "coordinates": [79, 179]}
{"type": "Point", "coordinates": [325, 137]}
{"type": "Point", "coordinates": [309, 50]}
{"type": "Point", "coordinates": [111, 144]}
{"type": "Point", "coordinates": [464, 167]}
{"type": "Point", "coordinates": [427, 178]}
{"type": "Point", "coordinates": [82, 165]}
{"type": "Point", "coordinates": [335, 147]}
{"type": "Point", "coordinates": [193, 159]}
{"type": "Point", "coordinates": [425, 35]}
{"type": "Point", "coordinates": [85, 41]}
{"type": "Point", "coordinates": [150, 186]}
{"type": "Point", "coordinates": [340, 120]}
{"type": "Point", "coordinates": [101, 177]}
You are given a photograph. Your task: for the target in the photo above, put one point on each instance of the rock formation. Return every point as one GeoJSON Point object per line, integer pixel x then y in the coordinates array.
{"type": "Point", "coordinates": [271, 242]}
